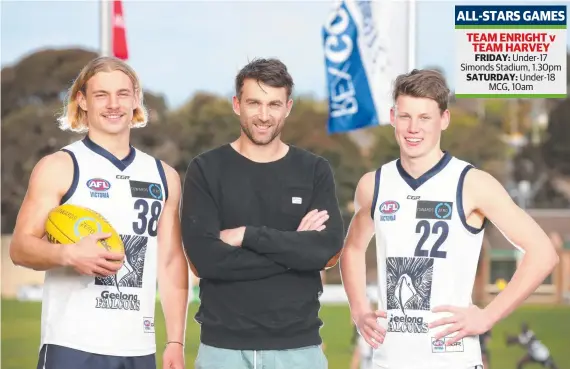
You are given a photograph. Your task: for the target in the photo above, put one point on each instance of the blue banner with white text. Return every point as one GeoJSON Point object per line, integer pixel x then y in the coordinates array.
{"type": "Point", "coordinates": [350, 98]}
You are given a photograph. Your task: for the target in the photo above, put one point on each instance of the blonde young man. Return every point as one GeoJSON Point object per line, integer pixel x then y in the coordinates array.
{"type": "Point", "coordinates": [96, 313]}
{"type": "Point", "coordinates": [428, 210]}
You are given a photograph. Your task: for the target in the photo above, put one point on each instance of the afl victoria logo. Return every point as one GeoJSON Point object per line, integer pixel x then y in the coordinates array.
{"type": "Point", "coordinates": [98, 184]}
{"type": "Point", "coordinates": [437, 345]}
{"type": "Point", "coordinates": [389, 207]}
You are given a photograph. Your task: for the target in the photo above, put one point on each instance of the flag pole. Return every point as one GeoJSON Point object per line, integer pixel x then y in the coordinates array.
{"type": "Point", "coordinates": [105, 27]}
{"type": "Point", "coordinates": [412, 35]}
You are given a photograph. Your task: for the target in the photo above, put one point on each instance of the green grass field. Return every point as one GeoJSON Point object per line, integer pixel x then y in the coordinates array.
{"type": "Point", "coordinates": [21, 326]}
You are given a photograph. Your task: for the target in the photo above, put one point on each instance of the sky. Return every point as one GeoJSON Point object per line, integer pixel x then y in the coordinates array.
{"type": "Point", "coordinates": [181, 47]}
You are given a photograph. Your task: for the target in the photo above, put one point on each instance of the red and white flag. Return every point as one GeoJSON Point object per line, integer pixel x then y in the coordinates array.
{"type": "Point", "coordinates": [118, 33]}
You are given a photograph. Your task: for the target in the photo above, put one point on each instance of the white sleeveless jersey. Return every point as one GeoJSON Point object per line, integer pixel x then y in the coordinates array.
{"type": "Point", "coordinates": [427, 256]}
{"type": "Point", "coordinates": [112, 315]}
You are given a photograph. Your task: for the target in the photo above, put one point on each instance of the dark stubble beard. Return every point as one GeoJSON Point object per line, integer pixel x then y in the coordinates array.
{"type": "Point", "coordinates": [248, 132]}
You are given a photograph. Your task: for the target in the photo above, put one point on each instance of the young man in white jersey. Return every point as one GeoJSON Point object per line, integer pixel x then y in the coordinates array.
{"type": "Point", "coordinates": [97, 313]}
{"type": "Point", "coordinates": [428, 210]}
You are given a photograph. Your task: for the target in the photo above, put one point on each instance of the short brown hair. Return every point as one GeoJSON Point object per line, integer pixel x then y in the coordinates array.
{"type": "Point", "coordinates": [425, 83]}
{"type": "Point", "coordinates": [271, 72]}
{"type": "Point", "coordinates": [74, 118]}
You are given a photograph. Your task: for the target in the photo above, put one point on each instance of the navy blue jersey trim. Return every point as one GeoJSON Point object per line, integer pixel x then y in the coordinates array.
{"type": "Point", "coordinates": [73, 187]}
{"type": "Point", "coordinates": [121, 164]}
{"type": "Point", "coordinates": [459, 201]}
{"type": "Point", "coordinates": [162, 177]}
{"type": "Point", "coordinates": [376, 189]}
{"type": "Point", "coordinates": [415, 183]}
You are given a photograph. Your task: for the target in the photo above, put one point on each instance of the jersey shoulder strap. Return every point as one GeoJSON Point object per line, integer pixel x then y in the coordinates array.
{"type": "Point", "coordinates": [141, 155]}
{"type": "Point", "coordinates": [72, 150]}
{"type": "Point", "coordinates": [382, 171]}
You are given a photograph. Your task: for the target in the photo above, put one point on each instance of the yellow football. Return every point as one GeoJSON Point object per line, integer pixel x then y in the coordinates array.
{"type": "Point", "coordinates": [70, 223]}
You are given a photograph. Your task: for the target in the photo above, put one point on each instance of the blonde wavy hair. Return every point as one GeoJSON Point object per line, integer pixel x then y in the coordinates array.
{"type": "Point", "coordinates": [73, 118]}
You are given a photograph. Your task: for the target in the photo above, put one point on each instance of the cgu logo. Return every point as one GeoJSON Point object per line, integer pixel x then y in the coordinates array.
{"type": "Point", "coordinates": [98, 184]}
{"type": "Point", "coordinates": [389, 207]}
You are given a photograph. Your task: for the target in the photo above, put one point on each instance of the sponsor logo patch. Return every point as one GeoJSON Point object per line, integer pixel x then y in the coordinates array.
{"type": "Point", "coordinates": [146, 190]}
{"type": "Point", "coordinates": [437, 345]}
{"type": "Point", "coordinates": [443, 345]}
{"type": "Point", "coordinates": [148, 325]}
{"type": "Point", "coordinates": [441, 210]}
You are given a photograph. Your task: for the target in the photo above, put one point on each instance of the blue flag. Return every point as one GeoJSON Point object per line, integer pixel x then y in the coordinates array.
{"type": "Point", "coordinates": [361, 62]}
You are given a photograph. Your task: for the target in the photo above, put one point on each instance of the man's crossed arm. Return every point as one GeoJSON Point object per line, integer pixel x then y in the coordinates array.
{"type": "Point", "coordinates": [261, 251]}
{"type": "Point", "coordinates": [314, 245]}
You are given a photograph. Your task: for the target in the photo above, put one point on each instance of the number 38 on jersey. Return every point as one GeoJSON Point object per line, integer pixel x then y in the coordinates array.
{"type": "Point", "coordinates": [148, 207]}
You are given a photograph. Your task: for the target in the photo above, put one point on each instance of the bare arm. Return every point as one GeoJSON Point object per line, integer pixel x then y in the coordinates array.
{"type": "Point", "coordinates": [352, 260]}
{"type": "Point", "coordinates": [488, 197]}
{"type": "Point", "coordinates": [30, 250]}
{"type": "Point", "coordinates": [172, 264]}
{"type": "Point", "coordinates": [45, 191]}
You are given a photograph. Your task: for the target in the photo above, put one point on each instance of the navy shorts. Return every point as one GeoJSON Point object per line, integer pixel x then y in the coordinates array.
{"type": "Point", "coordinates": [59, 357]}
